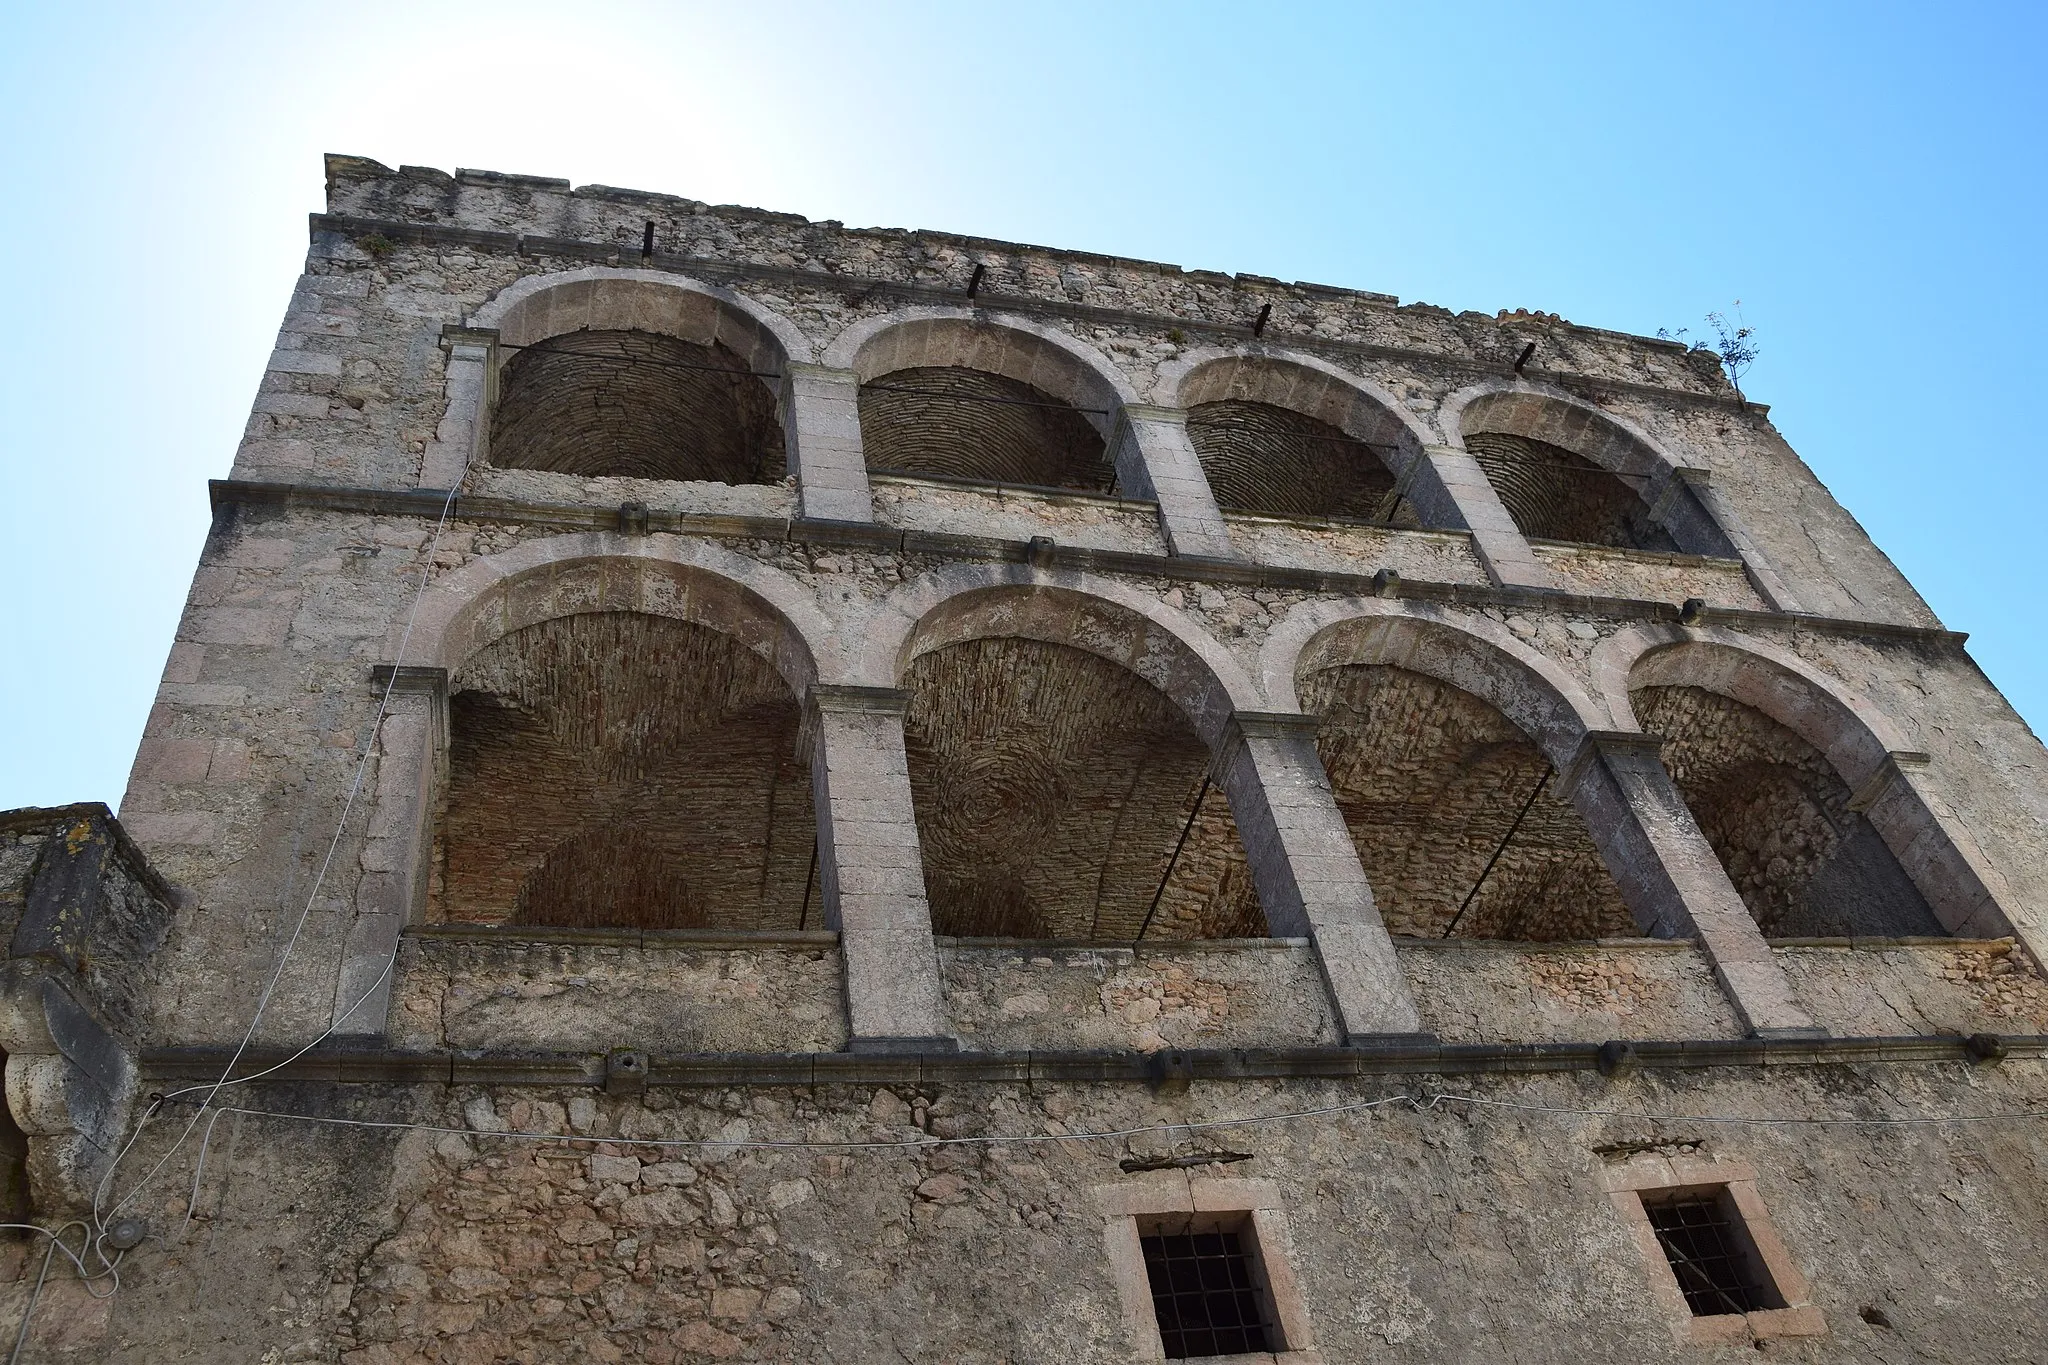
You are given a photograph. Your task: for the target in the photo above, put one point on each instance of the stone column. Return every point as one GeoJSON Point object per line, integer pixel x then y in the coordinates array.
{"type": "Point", "coordinates": [821, 423]}
{"type": "Point", "coordinates": [1155, 459]}
{"type": "Point", "coordinates": [1307, 871]}
{"type": "Point", "coordinates": [1709, 506]}
{"type": "Point", "coordinates": [871, 870]}
{"type": "Point", "coordinates": [1671, 877]}
{"type": "Point", "coordinates": [472, 380]}
{"type": "Point", "coordinates": [1469, 497]}
{"type": "Point", "coordinates": [1916, 820]}
{"type": "Point", "coordinates": [392, 867]}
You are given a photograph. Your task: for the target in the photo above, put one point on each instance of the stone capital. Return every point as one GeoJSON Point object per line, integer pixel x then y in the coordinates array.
{"type": "Point", "coordinates": [469, 343]}
{"type": "Point", "coordinates": [1893, 769]}
{"type": "Point", "coordinates": [1607, 746]}
{"type": "Point", "coordinates": [854, 699]}
{"type": "Point", "coordinates": [819, 374]}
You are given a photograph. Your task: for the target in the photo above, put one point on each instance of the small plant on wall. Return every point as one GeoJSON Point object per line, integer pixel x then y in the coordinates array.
{"type": "Point", "coordinates": [376, 246]}
{"type": "Point", "coordinates": [1732, 343]}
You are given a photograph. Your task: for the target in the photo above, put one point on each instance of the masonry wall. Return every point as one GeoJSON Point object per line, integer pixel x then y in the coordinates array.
{"type": "Point", "coordinates": [1456, 1233]}
{"type": "Point", "coordinates": [1432, 1230]}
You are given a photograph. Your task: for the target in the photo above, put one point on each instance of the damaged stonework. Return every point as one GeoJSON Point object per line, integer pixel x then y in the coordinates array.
{"type": "Point", "coordinates": [73, 997]}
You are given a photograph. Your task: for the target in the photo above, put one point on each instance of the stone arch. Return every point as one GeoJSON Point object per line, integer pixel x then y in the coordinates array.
{"type": "Point", "coordinates": [536, 307]}
{"type": "Point", "coordinates": [640, 374]}
{"type": "Point", "coordinates": [960, 393]}
{"type": "Point", "coordinates": [1546, 451]}
{"type": "Point", "coordinates": [1473, 654]}
{"type": "Point", "coordinates": [1061, 746]}
{"type": "Point", "coordinates": [1801, 787]}
{"type": "Point", "coordinates": [623, 739]}
{"type": "Point", "coordinates": [1275, 429]}
{"type": "Point", "coordinates": [1855, 736]}
{"type": "Point", "coordinates": [661, 575]}
{"type": "Point", "coordinates": [1164, 646]}
{"type": "Point", "coordinates": [1448, 747]}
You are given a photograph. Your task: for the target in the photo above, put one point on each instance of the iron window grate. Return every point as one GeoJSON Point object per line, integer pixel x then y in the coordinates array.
{"type": "Point", "coordinates": [1706, 1254]}
{"type": "Point", "coordinates": [1204, 1294]}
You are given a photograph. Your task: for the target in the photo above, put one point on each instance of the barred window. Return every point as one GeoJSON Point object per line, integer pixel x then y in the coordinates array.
{"type": "Point", "coordinates": [1710, 1252]}
{"type": "Point", "coordinates": [1205, 1293]}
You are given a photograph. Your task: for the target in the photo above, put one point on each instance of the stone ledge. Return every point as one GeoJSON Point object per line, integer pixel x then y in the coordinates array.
{"type": "Point", "coordinates": [1392, 1058]}
{"type": "Point", "coordinates": [722, 271]}
{"type": "Point", "coordinates": [458, 933]}
{"type": "Point", "coordinates": [428, 503]}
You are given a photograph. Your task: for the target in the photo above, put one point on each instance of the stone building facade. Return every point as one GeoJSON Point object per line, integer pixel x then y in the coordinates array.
{"type": "Point", "coordinates": [731, 788]}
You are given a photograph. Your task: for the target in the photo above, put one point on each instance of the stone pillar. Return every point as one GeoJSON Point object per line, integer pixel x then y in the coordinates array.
{"type": "Point", "coordinates": [472, 382]}
{"type": "Point", "coordinates": [1155, 459]}
{"type": "Point", "coordinates": [392, 867]}
{"type": "Point", "coordinates": [1671, 877]}
{"type": "Point", "coordinates": [1503, 549]}
{"type": "Point", "coordinates": [1716, 510]}
{"type": "Point", "coordinates": [872, 872]}
{"type": "Point", "coordinates": [1307, 871]}
{"type": "Point", "coordinates": [1919, 824]}
{"type": "Point", "coordinates": [821, 423]}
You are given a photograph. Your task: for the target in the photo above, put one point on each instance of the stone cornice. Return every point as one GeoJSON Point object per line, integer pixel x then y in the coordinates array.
{"type": "Point", "coordinates": [733, 272]}
{"type": "Point", "coordinates": [1399, 1058]}
{"type": "Point", "coordinates": [428, 503]}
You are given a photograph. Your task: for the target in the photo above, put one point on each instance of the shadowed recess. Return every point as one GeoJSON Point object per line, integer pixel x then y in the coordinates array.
{"type": "Point", "coordinates": [1051, 789]}
{"type": "Point", "coordinates": [1267, 459]}
{"type": "Point", "coordinates": [957, 423]}
{"type": "Point", "coordinates": [1777, 814]}
{"type": "Point", "coordinates": [618, 769]}
{"type": "Point", "coordinates": [1555, 495]}
{"type": "Point", "coordinates": [636, 405]}
{"type": "Point", "coordinates": [1431, 781]}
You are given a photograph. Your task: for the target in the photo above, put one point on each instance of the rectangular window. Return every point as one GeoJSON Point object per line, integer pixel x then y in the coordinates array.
{"type": "Point", "coordinates": [1205, 1292]}
{"type": "Point", "coordinates": [1710, 1251]}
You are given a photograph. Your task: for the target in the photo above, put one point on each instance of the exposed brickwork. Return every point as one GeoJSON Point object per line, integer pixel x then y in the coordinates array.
{"type": "Point", "coordinates": [618, 769]}
{"type": "Point", "coordinates": [1262, 458]}
{"type": "Point", "coordinates": [1051, 789]}
{"type": "Point", "coordinates": [636, 405]}
{"type": "Point", "coordinates": [1778, 815]}
{"type": "Point", "coordinates": [1430, 780]}
{"type": "Point", "coordinates": [969, 424]}
{"type": "Point", "coordinates": [1554, 494]}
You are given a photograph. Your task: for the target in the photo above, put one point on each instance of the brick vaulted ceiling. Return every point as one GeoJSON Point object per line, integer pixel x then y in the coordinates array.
{"type": "Point", "coordinates": [618, 769]}
{"type": "Point", "coordinates": [959, 423]}
{"type": "Point", "coordinates": [1778, 815]}
{"type": "Point", "coordinates": [1262, 458]}
{"type": "Point", "coordinates": [1554, 494]}
{"type": "Point", "coordinates": [1430, 780]}
{"type": "Point", "coordinates": [1051, 788]}
{"type": "Point", "coordinates": [639, 405]}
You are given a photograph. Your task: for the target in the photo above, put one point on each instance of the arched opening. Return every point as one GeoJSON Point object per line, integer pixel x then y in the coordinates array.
{"type": "Point", "coordinates": [1456, 814]}
{"type": "Point", "coordinates": [1778, 815]}
{"type": "Point", "coordinates": [1060, 795]}
{"type": "Point", "coordinates": [622, 769]}
{"type": "Point", "coordinates": [949, 421]}
{"type": "Point", "coordinates": [1263, 458]}
{"type": "Point", "coordinates": [636, 404]}
{"type": "Point", "coordinates": [1555, 494]}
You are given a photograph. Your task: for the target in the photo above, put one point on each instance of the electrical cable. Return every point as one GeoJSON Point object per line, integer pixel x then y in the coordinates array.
{"type": "Point", "coordinates": [362, 763]}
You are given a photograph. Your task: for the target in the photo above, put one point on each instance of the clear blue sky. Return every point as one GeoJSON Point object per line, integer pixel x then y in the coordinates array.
{"type": "Point", "coordinates": [1866, 178]}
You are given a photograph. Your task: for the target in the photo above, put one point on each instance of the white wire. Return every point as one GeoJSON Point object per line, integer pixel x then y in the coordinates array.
{"type": "Point", "coordinates": [312, 898]}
